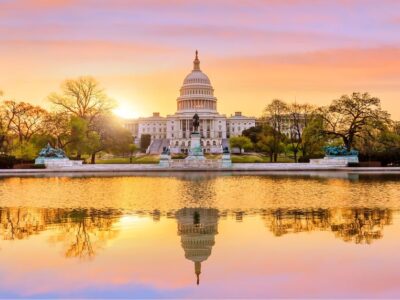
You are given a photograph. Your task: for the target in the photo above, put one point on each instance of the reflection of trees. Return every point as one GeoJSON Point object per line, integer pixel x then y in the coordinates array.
{"type": "Point", "coordinates": [20, 223]}
{"type": "Point", "coordinates": [83, 231]}
{"type": "Point", "coordinates": [359, 225]}
{"type": "Point", "coordinates": [283, 221]}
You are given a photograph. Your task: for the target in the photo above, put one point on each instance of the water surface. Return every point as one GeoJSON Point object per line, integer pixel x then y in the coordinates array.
{"type": "Point", "coordinates": [200, 235]}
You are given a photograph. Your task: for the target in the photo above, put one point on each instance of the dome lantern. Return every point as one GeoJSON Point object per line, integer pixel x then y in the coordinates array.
{"type": "Point", "coordinates": [196, 62]}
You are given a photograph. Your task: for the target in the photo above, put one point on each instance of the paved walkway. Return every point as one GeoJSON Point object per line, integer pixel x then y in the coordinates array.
{"type": "Point", "coordinates": [257, 167]}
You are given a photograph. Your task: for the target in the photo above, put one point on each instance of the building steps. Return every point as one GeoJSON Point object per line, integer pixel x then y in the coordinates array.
{"type": "Point", "coordinates": [157, 145]}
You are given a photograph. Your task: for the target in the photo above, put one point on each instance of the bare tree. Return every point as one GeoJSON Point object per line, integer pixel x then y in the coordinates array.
{"type": "Point", "coordinates": [57, 125]}
{"type": "Point", "coordinates": [299, 115]}
{"type": "Point", "coordinates": [275, 113]}
{"type": "Point", "coordinates": [22, 119]}
{"type": "Point", "coordinates": [82, 97]}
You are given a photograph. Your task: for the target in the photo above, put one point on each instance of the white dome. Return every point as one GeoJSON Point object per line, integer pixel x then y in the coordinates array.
{"type": "Point", "coordinates": [197, 93]}
{"type": "Point", "coordinates": [196, 77]}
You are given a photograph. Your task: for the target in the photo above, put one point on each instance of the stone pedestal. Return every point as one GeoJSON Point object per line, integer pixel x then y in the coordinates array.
{"type": "Point", "coordinates": [57, 162]}
{"type": "Point", "coordinates": [226, 160]}
{"type": "Point", "coordinates": [165, 160]}
{"type": "Point", "coordinates": [196, 151]}
{"type": "Point", "coordinates": [335, 160]}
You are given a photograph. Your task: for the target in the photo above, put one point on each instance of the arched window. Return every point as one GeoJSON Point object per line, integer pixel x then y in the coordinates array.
{"type": "Point", "coordinates": [214, 143]}
{"type": "Point", "coordinates": [208, 143]}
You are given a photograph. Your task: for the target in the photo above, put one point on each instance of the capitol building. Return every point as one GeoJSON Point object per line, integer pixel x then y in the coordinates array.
{"type": "Point", "coordinates": [173, 131]}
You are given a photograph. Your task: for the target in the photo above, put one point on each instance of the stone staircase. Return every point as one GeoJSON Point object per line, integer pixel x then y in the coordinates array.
{"type": "Point", "coordinates": [157, 146]}
{"type": "Point", "coordinates": [165, 143]}
{"type": "Point", "coordinates": [225, 143]}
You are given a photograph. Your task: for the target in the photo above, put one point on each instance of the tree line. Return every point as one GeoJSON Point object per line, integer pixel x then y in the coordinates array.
{"type": "Point", "coordinates": [301, 131]}
{"type": "Point", "coordinates": [80, 122]}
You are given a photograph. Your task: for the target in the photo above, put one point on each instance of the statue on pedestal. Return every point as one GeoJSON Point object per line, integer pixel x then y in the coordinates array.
{"type": "Point", "coordinates": [55, 158]}
{"type": "Point", "coordinates": [50, 152]}
{"type": "Point", "coordinates": [196, 123]}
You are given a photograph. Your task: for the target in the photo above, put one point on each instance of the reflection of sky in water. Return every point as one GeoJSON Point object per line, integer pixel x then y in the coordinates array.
{"type": "Point", "coordinates": [243, 236]}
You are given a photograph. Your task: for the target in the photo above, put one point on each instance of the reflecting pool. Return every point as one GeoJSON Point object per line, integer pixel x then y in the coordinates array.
{"type": "Point", "coordinates": [200, 235]}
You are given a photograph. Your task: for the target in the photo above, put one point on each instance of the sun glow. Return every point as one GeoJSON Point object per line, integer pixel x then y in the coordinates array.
{"type": "Point", "coordinates": [130, 220]}
{"type": "Point", "coordinates": [126, 111]}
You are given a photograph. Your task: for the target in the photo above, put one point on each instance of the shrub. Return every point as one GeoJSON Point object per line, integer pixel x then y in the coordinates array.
{"type": "Point", "coordinates": [386, 158]}
{"type": "Point", "coordinates": [306, 159]}
{"type": "Point", "coordinates": [246, 159]}
{"type": "Point", "coordinates": [7, 161]}
{"type": "Point", "coordinates": [179, 156]}
{"type": "Point", "coordinates": [353, 164]}
{"type": "Point", "coordinates": [39, 166]}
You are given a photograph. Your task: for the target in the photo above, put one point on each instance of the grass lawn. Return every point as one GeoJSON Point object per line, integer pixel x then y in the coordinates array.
{"type": "Point", "coordinates": [154, 159]}
{"type": "Point", "coordinates": [249, 158]}
{"type": "Point", "coordinates": [257, 158]}
{"type": "Point", "coordinates": [213, 156]}
{"type": "Point", "coordinates": [145, 159]}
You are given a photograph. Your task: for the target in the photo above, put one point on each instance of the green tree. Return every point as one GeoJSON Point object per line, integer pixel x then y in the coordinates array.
{"type": "Point", "coordinates": [26, 151]}
{"type": "Point", "coordinates": [253, 133]}
{"type": "Point", "coordinates": [78, 136]}
{"type": "Point", "coordinates": [346, 117]}
{"type": "Point", "coordinates": [241, 142]}
{"type": "Point", "coordinates": [112, 137]}
{"type": "Point", "coordinates": [313, 139]}
{"type": "Point", "coordinates": [379, 143]}
{"type": "Point", "coordinates": [266, 145]}
{"type": "Point", "coordinates": [132, 150]}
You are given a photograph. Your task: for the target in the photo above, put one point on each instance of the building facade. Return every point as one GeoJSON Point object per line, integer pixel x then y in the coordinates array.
{"type": "Point", "coordinates": [196, 96]}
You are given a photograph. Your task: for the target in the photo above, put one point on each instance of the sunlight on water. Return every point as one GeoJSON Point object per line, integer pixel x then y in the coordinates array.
{"type": "Point", "coordinates": [200, 235]}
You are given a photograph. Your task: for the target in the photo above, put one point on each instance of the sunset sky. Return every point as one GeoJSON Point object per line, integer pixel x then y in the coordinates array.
{"type": "Point", "coordinates": [253, 51]}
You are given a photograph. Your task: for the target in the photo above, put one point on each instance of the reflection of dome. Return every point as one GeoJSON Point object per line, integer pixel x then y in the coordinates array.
{"type": "Point", "coordinates": [196, 93]}
{"type": "Point", "coordinates": [197, 228]}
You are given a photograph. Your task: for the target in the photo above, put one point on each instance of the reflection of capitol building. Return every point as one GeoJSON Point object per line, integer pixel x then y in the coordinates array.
{"type": "Point", "coordinates": [197, 228]}
{"type": "Point", "coordinates": [196, 96]}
